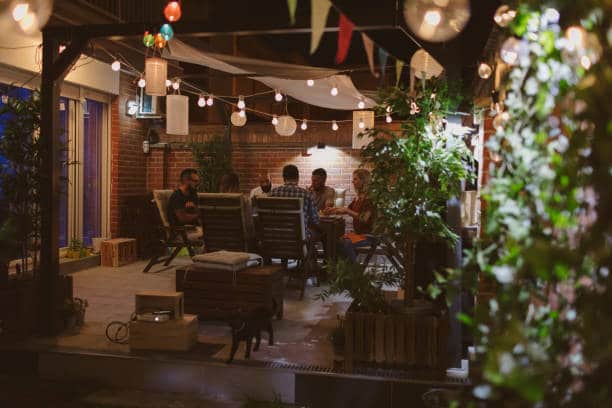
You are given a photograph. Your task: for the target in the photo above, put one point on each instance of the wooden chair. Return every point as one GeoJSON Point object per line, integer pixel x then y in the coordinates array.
{"type": "Point", "coordinates": [281, 233]}
{"type": "Point", "coordinates": [224, 221]}
{"type": "Point", "coordinates": [171, 237]}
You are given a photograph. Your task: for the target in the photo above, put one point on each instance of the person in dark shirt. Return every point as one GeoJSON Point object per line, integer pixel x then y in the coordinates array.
{"type": "Point", "coordinates": [183, 203]}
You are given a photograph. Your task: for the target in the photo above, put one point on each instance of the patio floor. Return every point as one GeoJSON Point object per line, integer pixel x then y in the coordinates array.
{"type": "Point", "coordinates": [301, 337]}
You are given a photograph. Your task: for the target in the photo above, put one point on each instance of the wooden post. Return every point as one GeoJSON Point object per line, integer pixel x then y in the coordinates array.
{"type": "Point", "coordinates": [54, 70]}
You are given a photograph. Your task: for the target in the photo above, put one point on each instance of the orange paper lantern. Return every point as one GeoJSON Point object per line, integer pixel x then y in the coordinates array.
{"type": "Point", "coordinates": [173, 11]}
{"type": "Point", "coordinates": [160, 41]}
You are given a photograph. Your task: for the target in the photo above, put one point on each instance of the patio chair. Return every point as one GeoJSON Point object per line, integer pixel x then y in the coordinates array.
{"type": "Point", "coordinates": [381, 247]}
{"type": "Point", "coordinates": [281, 233]}
{"type": "Point", "coordinates": [224, 221]}
{"type": "Point", "coordinates": [171, 237]}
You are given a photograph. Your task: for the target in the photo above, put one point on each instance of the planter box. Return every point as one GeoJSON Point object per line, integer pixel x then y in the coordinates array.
{"type": "Point", "coordinates": [118, 252]}
{"type": "Point", "coordinates": [414, 337]}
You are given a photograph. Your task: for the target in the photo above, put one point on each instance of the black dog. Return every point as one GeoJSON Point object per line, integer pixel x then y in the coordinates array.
{"type": "Point", "coordinates": [245, 326]}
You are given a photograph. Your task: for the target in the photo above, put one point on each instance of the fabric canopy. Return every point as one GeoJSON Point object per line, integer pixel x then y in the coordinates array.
{"type": "Point", "coordinates": [290, 79]}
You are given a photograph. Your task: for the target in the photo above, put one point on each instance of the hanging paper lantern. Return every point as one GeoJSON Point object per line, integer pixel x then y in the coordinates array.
{"type": "Point", "coordinates": [436, 20]}
{"type": "Point", "coordinates": [237, 119]}
{"type": "Point", "coordinates": [29, 16]}
{"type": "Point", "coordinates": [504, 15]}
{"type": "Point", "coordinates": [160, 41]}
{"type": "Point", "coordinates": [286, 126]}
{"type": "Point", "coordinates": [424, 65]}
{"type": "Point", "coordinates": [177, 115]}
{"type": "Point", "coordinates": [167, 32]}
{"type": "Point", "coordinates": [156, 73]}
{"type": "Point", "coordinates": [148, 39]}
{"type": "Point", "coordinates": [172, 11]}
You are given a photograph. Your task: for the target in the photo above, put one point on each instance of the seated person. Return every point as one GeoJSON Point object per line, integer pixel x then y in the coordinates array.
{"type": "Point", "coordinates": [264, 188]}
{"type": "Point", "coordinates": [323, 195]}
{"type": "Point", "coordinates": [291, 177]}
{"type": "Point", "coordinates": [230, 183]}
{"type": "Point", "coordinates": [183, 203]}
{"type": "Point", "coordinates": [361, 211]}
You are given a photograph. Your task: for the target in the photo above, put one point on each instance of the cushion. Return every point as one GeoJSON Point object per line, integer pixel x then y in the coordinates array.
{"type": "Point", "coordinates": [340, 197]}
{"type": "Point", "coordinates": [227, 258]}
{"type": "Point", "coordinates": [161, 198]}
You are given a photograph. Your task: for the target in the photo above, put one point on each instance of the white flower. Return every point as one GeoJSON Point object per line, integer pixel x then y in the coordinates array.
{"type": "Point", "coordinates": [571, 315]}
{"type": "Point", "coordinates": [482, 391]}
{"type": "Point", "coordinates": [504, 273]}
{"type": "Point", "coordinates": [604, 271]}
{"type": "Point", "coordinates": [506, 363]}
{"type": "Point", "coordinates": [543, 73]}
{"type": "Point", "coordinates": [531, 86]}
{"type": "Point", "coordinates": [551, 15]}
{"type": "Point", "coordinates": [493, 306]}
{"type": "Point", "coordinates": [518, 349]}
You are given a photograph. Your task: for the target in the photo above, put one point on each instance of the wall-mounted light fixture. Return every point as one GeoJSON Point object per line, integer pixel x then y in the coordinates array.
{"type": "Point", "coordinates": [131, 108]}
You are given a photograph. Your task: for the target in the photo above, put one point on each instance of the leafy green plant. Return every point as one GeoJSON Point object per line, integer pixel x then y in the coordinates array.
{"type": "Point", "coordinates": [214, 159]}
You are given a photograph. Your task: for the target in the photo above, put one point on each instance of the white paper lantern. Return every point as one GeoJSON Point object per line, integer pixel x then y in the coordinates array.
{"type": "Point", "coordinates": [436, 20]}
{"type": "Point", "coordinates": [286, 126]}
{"type": "Point", "coordinates": [422, 63]}
{"type": "Point", "coordinates": [237, 119]}
{"type": "Point", "coordinates": [177, 115]}
{"type": "Point", "coordinates": [156, 73]}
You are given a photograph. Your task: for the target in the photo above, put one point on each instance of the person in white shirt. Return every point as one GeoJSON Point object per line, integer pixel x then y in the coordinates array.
{"type": "Point", "coordinates": [264, 188]}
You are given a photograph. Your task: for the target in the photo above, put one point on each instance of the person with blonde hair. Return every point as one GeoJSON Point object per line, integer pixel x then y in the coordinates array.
{"type": "Point", "coordinates": [361, 210]}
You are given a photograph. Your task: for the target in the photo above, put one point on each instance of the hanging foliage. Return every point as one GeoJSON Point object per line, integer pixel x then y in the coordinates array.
{"type": "Point", "coordinates": [214, 159]}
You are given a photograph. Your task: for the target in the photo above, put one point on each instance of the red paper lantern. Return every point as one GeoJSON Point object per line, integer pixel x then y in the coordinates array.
{"type": "Point", "coordinates": [173, 11]}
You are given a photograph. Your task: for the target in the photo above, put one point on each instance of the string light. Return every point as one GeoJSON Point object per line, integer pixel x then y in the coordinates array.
{"type": "Point", "coordinates": [242, 113]}
{"type": "Point", "coordinates": [201, 101]}
{"type": "Point", "coordinates": [388, 118]}
{"type": "Point", "coordinates": [20, 11]}
{"type": "Point", "coordinates": [278, 96]}
{"type": "Point", "coordinates": [310, 82]}
{"type": "Point", "coordinates": [361, 124]}
{"type": "Point", "coordinates": [484, 70]}
{"type": "Point", "coordinates": [432, 17]}
{"type": "Point", "coordinates": [361, 104]}
{"type": "Point", "coordinates": [275, 120]}
{"type": "Point", "coordinates": [241, 105]}
{"type": "Point", "coordinates": [388, 109]}
{"type": "Point", "coordinates": [334, 91]}
{"type": "Point", "coordinates": [142, 83]}
{"type": "Point", "coordinates": [176, 84]}
{"type": "Point", "coordinates": [334, 125]}
{"type": "Point", "coordinates": [304, 126]}
{"type": "Point", "coordinates": [116, 65]}
{"type": "Point", "coordinates": [168, 83]}
{"type": "Point", "coordinates": [209, 100]}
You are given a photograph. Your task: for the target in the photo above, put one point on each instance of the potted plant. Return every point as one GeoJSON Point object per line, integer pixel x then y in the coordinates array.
{"type": "Point", "coordinates": [74, 313]}
{"type": "Point", "coordinates": [214, 159]}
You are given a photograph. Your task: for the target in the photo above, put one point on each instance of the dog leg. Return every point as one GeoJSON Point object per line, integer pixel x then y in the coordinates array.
{"type": "Point", "coordinates": [270, 331]}
{"type": "Point", "coordinates": [233, 351]}
{"type": "Point", "coordinates": [249, 343]}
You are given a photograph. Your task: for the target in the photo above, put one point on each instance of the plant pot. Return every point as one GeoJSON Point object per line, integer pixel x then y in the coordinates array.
{"type": "Point", "coordinates": [415, 336]}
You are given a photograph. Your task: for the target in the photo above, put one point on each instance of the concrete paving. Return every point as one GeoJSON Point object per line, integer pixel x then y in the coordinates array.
{"type": "Point", "coordinates": [302, 337]}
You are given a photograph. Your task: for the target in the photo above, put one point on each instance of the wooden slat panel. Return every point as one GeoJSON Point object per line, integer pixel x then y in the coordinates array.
{"type": "Point", "coordinates": [349, 335]}
{"type": "Point", "coordinates": [400, 343]}
{"type": "Point", "coordinates": [389, 338]}
{"type": "Point", "coordinates": [368, 347]}
{"type": "Point", "coordinates": [410, 340]}
{"type": "Point", "coordinates": [379, 340]}
{"type": "Point", "coordinates": [359, 336]}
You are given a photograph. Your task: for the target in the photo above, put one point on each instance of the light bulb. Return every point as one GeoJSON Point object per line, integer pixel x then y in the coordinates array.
{"type": "Point", "coordinates": [116, 66]}
{"type": "Point", "coordinates": [241, 104]}
{"type": "Point", "coordinates": [361, 104]}
{"type": "Point", "coordinates": [310, 82]}
{"type": "Point", "coordinates": [388, 109]}
{"type": "Point", "coordinates": [168, 83]}
{"type": "Point", "coordinates": [388, 119]}
{"type": "Point", "coordinates": [20, 11]}
{"type": "Point", "coordinates": [242, 113]}
{"type": "Point", "coordinates": [585, 62]}
{"type": "Point", "coordinates": [304, 126]}
{"type": "Point", "coordinates": [334, 91]}
{"type": "Point", "coordinates": [29, 22]}
{"type": "Point", "coordinates": [201, 101]}
{"type": "Point", "coordinates": [176, 84]}
{"type": "Point", "coordinates": [504, 15]}
{"type": "Point", "coordinates": [576, 37]}
{"type": "Point", "coordinates": [484, 70]}
{"type": "Point", "coordinates": [432, 17]}
{"type": "Point", "coordinates": [61, 48]}
{"type": "Point", "coordinates": [209, 100]}
{"type": "Point", "coordinates": [278, 96]}
{"type": "Point", "coordinates": [275, 120]}
{"type": "Point", "coordinates": [334, 125]}
{"type": "Point", "coordinates": [361, 124]}
{"type": "Point", "coordinates": [142, 83]}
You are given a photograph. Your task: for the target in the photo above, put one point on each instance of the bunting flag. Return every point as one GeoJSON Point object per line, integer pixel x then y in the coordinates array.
{"type": "Point", "coordinates": [319, 9]}
{"type": "Point", "coordinates": [345, 32]}
{"type": "Point", "coordinates": [368, 45]}
{"type": "Point", "coordinates": [292, 5]}
{"type": "Point", "coordinates": [399, 66]}
{"type": "Point", "coordinates": [382, 58]}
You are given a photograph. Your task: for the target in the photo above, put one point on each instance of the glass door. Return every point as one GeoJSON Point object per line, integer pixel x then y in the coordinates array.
{"type": "Point", "coordinates": [93, 125]}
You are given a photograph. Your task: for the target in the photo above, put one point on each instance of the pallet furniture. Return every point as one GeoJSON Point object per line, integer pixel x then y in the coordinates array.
{"type": "Point", "coordinates": [174, 335]}
{"type": "Point", "coordinates": [154, 300]}
{"type": "Point", "coordinates": [224, 220]}
{"type": "Point", "coordinates": [215, 294]}
{"type": "Point", "coordinates": [170, 237]}
{"type": "Point", "coordinates": [281, 233]}
{"type": "Point", "coordinates": [118, 252]}
{"type": "Point", "coordinates": [137, 219]}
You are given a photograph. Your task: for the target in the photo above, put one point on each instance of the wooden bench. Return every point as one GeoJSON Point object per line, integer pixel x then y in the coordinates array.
{"type": "Point", "coordinates": [215, 294]}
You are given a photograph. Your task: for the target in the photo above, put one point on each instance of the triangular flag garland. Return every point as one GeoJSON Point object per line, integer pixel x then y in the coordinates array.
{"type": "Point", "coordinates": [382, 58]}
{"type": "Point", "coordinates": [319, 9]}
{"type": "Point", "coordinates": [399, 66]}
{"type": "Point", "coordinates": [368, 46]}
{"type": "Point", "coordinates": [292, 5]}
{"type": "Point", "coordinates": [345, 32]}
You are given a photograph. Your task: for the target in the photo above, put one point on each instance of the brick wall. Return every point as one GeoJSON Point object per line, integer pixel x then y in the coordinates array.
{"type": "Point", "coordinates": [128, 163]}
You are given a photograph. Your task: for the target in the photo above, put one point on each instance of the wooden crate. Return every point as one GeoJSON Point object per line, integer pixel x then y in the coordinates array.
{"type": "Point", "coordinates": [118, 252]}
{"type": "Point", "coordinates": [414, 338]}
{"type": "Point", "coordinates": [173, 335]}
{"type": "Point", "coordinates": [153, 300]}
